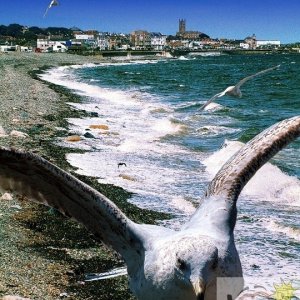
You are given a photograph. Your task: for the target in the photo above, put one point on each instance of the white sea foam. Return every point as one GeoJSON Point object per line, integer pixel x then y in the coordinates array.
{"type": "Point", "coordinates": [183, 205]}
{"type": "Point", "coordinates": [166, 126]}
{"type": "Point", "coordinates": [265, 245]}
{"type": "Point", "coordinates": [83, 66]}
{"type": "Point", "coordinates": [87, 90]}
{"type": "Point", "coordinates": [205, 54]}
{"type": "Point", "coordinates": [215, 130]}
{"type": "Point", "coordinates": [269, 183]}
{"type": "Point", "coordinates": [182, 58]}
{"type": "Point", "coordinates": [134, 130]}
{"type": "Point", "coordinates": [156, 174]}
{"type": "Point", "coordinates": [213, 107]}
{"type": "Point", "coordinates": [277, 227]}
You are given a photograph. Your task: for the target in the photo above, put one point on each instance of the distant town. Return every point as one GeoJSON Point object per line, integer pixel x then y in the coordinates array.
{"type": "Point", "coordinates": [21, 38]}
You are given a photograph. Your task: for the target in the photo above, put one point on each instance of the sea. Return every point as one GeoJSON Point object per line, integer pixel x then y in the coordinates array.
{"type": "Point", "coordinates": [147, 135]}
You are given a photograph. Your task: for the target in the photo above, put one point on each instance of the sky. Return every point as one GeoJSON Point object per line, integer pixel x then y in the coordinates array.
{"type": "Point", "coordinates": [235, 19]}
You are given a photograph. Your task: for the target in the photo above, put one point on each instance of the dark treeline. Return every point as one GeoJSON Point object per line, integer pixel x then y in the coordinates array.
{"type": "Point", "coordinates": [27, 35]}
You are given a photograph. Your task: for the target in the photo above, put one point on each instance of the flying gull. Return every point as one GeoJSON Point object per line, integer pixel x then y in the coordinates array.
{"type": "Point", "coordinates": [52, 3]}
{"type": "Point", "coordinates": [161, 263]}
{"type": "Point", "coordinates": [234, 90]}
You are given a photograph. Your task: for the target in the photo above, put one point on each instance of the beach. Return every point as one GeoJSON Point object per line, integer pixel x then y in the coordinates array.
{"type": "Point", "coordinates": [43, 255]}
{"type": "Point", "coordinates": [132, 130]}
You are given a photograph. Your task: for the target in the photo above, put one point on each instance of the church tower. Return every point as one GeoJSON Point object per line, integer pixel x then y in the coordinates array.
{"type": "Point", "coordinates": [181, 26]}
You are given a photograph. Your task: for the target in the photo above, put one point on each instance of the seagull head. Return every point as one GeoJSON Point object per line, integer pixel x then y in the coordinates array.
{"type": "Point", "coordinates": [196, 266]}
{"type": "Point", "coordinates": [179, 269]}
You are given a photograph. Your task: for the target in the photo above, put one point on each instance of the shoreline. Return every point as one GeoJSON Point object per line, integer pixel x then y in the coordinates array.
{"type": "Point", "coordinates": [46, 255]}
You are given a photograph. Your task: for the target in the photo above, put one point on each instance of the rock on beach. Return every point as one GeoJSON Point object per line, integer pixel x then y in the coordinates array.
{"type": "Point", "coordinates": [2, 132]}
{"type": "Point", "coordinates": [99, 126]}
{"type": "Point", "coordinates": [18, 134]}
{"type": "Point", "coordinates": [73, 138]}
{"type": "Point", "coordinates": [6, 197]}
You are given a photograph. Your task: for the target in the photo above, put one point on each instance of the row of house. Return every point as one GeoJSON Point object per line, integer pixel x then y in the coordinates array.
{"type": "Point", "coordinates": [142, 40]}
{"type": "Point", "coordinates": [9, 48]}
{"type": "Point", "coordinates": [137, 40]}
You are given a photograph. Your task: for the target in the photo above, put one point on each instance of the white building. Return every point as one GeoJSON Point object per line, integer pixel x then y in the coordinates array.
{"type": "Point", "coordinates": [244, 46]}
{"type": "Point", "coordinates": [59, 47]}
{"type": "Point", "coordinates": [102, 42]}
{"type": "Point", "coordinates": [158, 41]}
{"type": "Point", "coordinates": [46, 45]}
{"type": "Point", "coordinates": [195, 45]}
{"type": "Point", "coordinates": [84, 37]}
{"type": "Point", "coordinates": [267, 43]}
{"type": "Point", "coordinates": [6, 48]}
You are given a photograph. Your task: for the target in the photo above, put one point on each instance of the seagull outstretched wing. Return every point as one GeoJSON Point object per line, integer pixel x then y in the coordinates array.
{"type": "Point", "coordinates": [242, 81]}
{"type": "Point", "coordinates": [41, 181]}
{"type": "Point", "coordinates": [52, 3]}
{"type": "Point", "coordinates": [218, 210]}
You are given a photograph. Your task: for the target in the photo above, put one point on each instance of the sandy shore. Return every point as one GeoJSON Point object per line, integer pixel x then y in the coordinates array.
{"type": "Point", "coordinates": [42, 254]}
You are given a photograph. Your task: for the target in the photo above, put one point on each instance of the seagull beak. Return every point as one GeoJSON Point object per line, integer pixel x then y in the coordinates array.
{"type": "Point", "coordinates": [199, 289]}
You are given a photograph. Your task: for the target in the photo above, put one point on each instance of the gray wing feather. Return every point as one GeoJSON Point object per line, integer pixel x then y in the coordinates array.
{"type": "Point", "coordinates": [41, 181]}
{"type": "Point", "coordinates": [211, 100]}
{"type": "Point", "coordinates": [241, 82]}
{"type": "Point", "coordinates": [46, 11]}
{"type": "Point", "coordinates": [52, 3]}
{"type": "Point", "coordinates": [216, 216]}
{"type": "Point", "coordinates": [238, 170]}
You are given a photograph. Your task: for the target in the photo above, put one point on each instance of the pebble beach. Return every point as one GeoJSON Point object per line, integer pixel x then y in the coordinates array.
{"type": "Point", "coordinates": [43, 255]}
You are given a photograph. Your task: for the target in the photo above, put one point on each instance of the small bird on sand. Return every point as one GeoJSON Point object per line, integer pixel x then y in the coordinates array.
{"type": "Point", "coordinates": [162, 264]}
{"type": "Point", "coordinates": [122, 164]}
{"type": "Point", "coordinates": [234, 90]}
{"type": "Point", "coordinates": [52, 3]}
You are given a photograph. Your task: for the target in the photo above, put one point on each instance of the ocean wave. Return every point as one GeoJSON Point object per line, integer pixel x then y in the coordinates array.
{"type": "Point", "coordinates": [268, 184]}
{"type": "Point", "coordinates": [183, 58]}
{"type": "Point", "coordinates": [276, 227]}
{"type": "Point", "coordinates": [65, 77]}
{"type": "Point", "coordinates": [183, 205]}
{"type": "Point", "coordinates": [211, 107]}
{"type": "Point", "coordinates": [215, 130]}
{"type": "Point", "coordinates": [188, 105]}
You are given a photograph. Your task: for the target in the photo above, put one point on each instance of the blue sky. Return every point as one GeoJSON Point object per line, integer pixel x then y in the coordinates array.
{"type": "Point", "coordinates": [268, 19]}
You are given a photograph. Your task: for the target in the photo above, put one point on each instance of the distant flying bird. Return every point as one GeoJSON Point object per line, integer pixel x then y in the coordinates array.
{"type": "Point", "coordinates": [52, 3]}
{"type": "Point", "coordinates": [161, 263]}
{"type": "Point", "coordinates": [234, 90]}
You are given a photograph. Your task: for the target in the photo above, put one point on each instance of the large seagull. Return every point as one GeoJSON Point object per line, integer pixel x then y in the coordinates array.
{"type": "Point", "coordinates": [161, 263]}
{"type": "Point", "coordinates": [234, 90]}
